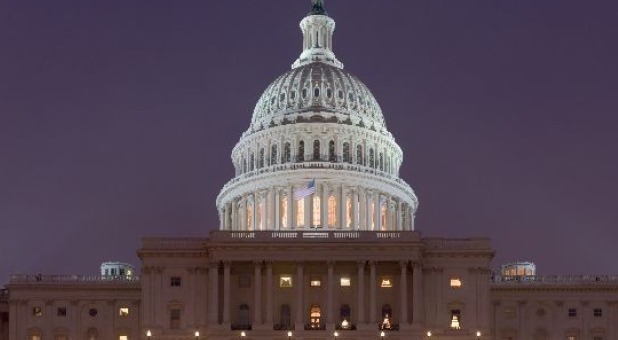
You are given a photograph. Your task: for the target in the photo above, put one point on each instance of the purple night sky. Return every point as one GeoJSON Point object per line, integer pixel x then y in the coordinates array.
{"type": "Point", "coordinates": [117, 119]}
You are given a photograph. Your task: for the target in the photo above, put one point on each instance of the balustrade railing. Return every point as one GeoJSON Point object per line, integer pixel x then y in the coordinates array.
{"type": "Point", "coordinates": [314, 234]}
{"type": "Point", "coordinates": [555, 279]}
{"type": "Point", "coordinates": [72, 279]}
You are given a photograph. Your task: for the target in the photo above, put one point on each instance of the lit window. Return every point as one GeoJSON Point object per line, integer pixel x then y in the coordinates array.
{"type": "Point", "coordinates": [123, 311]}
{"type": "Point", "coordinates": [317, 211]}
{"type": "Point", "coordinates": [37, 311]}
{"type": "Point", "coordinates": [455, 319]}
{"type": "Point", "coordinates": [386, 283]}
{"type": "Point", "coordinates": [284, 212]}
{"type": "Point", "coordinates": [455, 282]}
{"type": "Point", "coordinates": [300, 212]}
{"type": "Point", "coordinates": [332, 211]}
{"type": "Point", "coordinates": [175, 281]}
{"type": "Point", "coordinates": [123, 337]}
{"type": "Point", "coordinates": [345, 282]}
{"type": "Point", "coordinates": [315, 283]}
{"type": "Point", "coordinates": [598, 312]}
{"type": "Point", "coordinates": [285, 281]}
{"type": "Point", "coordinates": [571, 337]}
{"type": "Point", "coordinates": [35, 337]}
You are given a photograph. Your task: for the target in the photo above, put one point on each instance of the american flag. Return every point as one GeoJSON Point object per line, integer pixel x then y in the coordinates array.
{"type": "Point", "coordinates": [305, 191]}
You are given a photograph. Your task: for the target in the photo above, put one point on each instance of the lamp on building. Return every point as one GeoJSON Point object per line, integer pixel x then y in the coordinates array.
{"type": "Point", "coordinates": [335, 335]}
{"type": "Point", "coordinates": [243, 334]}
{"type": "Point", "coordinates": [289, 335]}
{"type": "Point", "coordinates": [429, 334]}
{"type": "Point", "coordinates": [197, 335]}
{"type": "Point", "coordinates": [382, 335]}
{"type": "Point", "coordinates": [478, 334]}
{"type": "Point", "coordinates": [148, 334]}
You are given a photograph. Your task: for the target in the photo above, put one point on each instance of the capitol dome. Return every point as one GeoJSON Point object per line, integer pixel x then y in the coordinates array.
{"type": "Point", "coordinates": [317, 153]}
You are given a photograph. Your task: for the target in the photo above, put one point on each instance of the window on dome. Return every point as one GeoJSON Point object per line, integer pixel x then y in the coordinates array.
{"type": "Point", "coordinates": [317, 211]}
{"type": "Point", "coordinates": [274, 154]}
{"type": "Point", "coordinates": [332, 211]}
{"type": "Point", "coordinates": [383, 212]}
{"type": "Point", "coordinates": [304, 93]}
{"type": "Point", "coordinates": [249, 216]}
{"type": "Point", "coordinates": [243, 160]}
{"type": "Point", "coordinates": [287, 153]}
{"type": "Point", "coordinates": [346, 152]}
{"type": "Point", "coordinates": [373, 215]}
{"type": "Point", "coordinates": [359, 154]}
{"type": "Point", "coordinates": [300, 212]}
{"type": "Point", "coordinates": [349, 212]}
{"type": "Point", "coordinates": [351, 96]}
{"type": "Point", "coordinates": [340, 94]}
{"type": "Point", "coordinates": [301, 151]}
{"type": "Point", "coordinates": [329, 93]}
{"type": "Point", "coordinates": [251, 162]}
{"type": "Point", "coordinates": [258, 217]}
{"type": "Point", "coordinates": [261, 159]}
{"type": "Point", "coordinates": [284, 212]}
{"type": "Point", "coordinates": [371, 159]}
{"type": "Point", "coordinates": [316, 92]}
{"type": "Point", "coordinates": [316, 150]}
{"type": "Point", "coordinates": [282, 97]}
{"type": "Point", "coordinates": [293, 95]}
{"type": "Point", "coordinates": [331, 151]}
{"type": "Point", "coordinates": [381, 162]}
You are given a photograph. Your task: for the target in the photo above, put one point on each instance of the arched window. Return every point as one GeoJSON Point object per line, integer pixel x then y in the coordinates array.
{"type": "Point", "coordinates": [344, 315]}
{"type": "Point", "coordinates": [372, 206]}
{"type": "Point", "coordinates": [346, 152]}
{"type": "Point", "coordinates": [249, 215]}
{"type": "Point", "coordinates": [315, 315]}
{"type": "Point", "coordinates": [301, 151]}
{"type": "Point", "coordinates": [243, 316]}
{"type": "Point", "coordinates": [284, 212]}
{"type": "Point", "coordinates": [300, 212]}
{"type": "Point", "coordinates": [332, 211]}
{"type": "Point", "coordinates": [258, 217]}
{"type": "Point", "coordinates": [284, 316]}
{"type": "Point", "coordinates": [350, 211]}
{"type": "Point", "coordinates": [274, 154]}
{"type": "Point", "coordinates": [381, 161]}
{"type": "Point", "coordinates": [387, 315]}
{"type": "Point", "coordinates": [317, 220]}
{"type": "Point", "coordinates": [251, 162]}
{"type": "Point", "coordinates": [371, 159]}
{"type": "Point", "coordinates": [287, 153]}
{"type": "Point", "coordinates": [359, 154]}
{"type": "Point", "coordinates": [243, 164]}
{"type": "Point", "coordinates": [316, 150]}
{"type": "Point", "coordinates": [331, 151]}
{"type": "Point", "coordinates": [261, 159]}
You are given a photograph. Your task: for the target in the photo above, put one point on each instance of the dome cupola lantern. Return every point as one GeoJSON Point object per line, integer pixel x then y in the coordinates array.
{"type": "Point", "coordinates": [318, 29]}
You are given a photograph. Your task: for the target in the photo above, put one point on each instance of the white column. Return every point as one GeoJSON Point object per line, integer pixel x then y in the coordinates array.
{"type": "Point", "coordinates": [272, 220]}
{"type": "Point", "coordinates": [269, 293]}
{"type": "Point", "coordinates": [368, 217]}
{"type": "Point", "coordinates": [361, 291]}
{"type": "Point", "coordinates": [398, 216]}
{"type": "Point", "coordinates": [255, 210]}
{"type": "Point", "coordinates": [257, 293]}
{"type": "Point", "coordinates": [362, 207]}
{"type": "Point", "coordinates": [389, 215]}
{"type": "Point", "coordinates": [330, 313]}
{"type": "Point", "coordinates": [226, 292]}
{"type": "Point", "coordinates": [213, 283]}
{"type": "Point", "coordinates": [308, 210]}
{"type": "Point", "coordinates": [372, 292]}
{"type": "Point", "coordinates": [377, 211]}
{"type": "Point", "coordinates": [342, 207]}
{"type": "Point", "coordinates": [299, 325]}
{"type": "Point", "coordinates": [417, 294]}
{"type": "Point", "coordinates": [264, 205]}
{"type": "Point", "coordinates": [403, 292]}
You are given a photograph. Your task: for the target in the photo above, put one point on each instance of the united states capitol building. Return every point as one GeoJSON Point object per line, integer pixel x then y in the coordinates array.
{"type": "Point", "coordinates": [316, 241]}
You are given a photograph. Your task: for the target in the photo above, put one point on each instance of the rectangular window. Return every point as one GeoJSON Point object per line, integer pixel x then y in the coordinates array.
{"type": "Point", "coordinates": [598, 312]}
{"type": "Point", "coordinates": [386, 282]}
{"type": "Point", "coordinates": [62, 311]}
{"type": "Point", "coordinates": [175, 281]}
{"type": "Point", "coordinates": [455, 319]}
{"type": "Point", "coordinates": [123, 311]}
{"type": "Point", "coordinates": [285, 281]}
{"type": "Point", "coordinates": [37, 311]}
{"type": "Point", "coordinates": [244, 281]}
{"type": "Point", "coordinates": [123, 337]}
{"type": "Point", "coordinates": [572, 312]}
{"type": "Point", "coordinates": [175, 318]}
{"type": "Point", "coordinates": [345, 282]}
{"type": "Point", "coordinates": [315, 283]}
{"type": "Point", "coordinates": [455, 282]}
{"type": "Point", "coordinates": [597, 338]}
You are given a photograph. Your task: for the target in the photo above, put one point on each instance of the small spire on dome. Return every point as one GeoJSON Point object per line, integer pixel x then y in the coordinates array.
{"type": "Point", "coordinates": [317, 7]}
